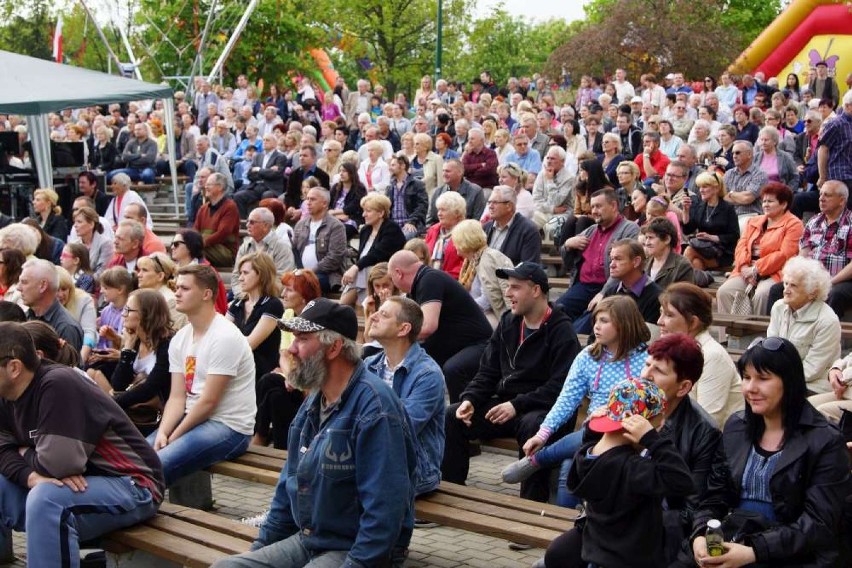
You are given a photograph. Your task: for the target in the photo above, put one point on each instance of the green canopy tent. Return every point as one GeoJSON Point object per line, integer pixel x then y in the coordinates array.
{"type": "Point", "coordinates": [34, 88]}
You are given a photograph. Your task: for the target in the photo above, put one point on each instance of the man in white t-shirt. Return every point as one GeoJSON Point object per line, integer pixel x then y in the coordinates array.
{"type": "Point", "coordinates": [209, 416]}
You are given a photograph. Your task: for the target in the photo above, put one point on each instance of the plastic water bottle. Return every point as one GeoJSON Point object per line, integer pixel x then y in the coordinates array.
{"type": "Point", "coordinates": [714, 537]}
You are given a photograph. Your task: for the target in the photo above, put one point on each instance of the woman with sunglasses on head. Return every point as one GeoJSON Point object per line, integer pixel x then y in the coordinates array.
{"type": "Point", "coordinates": [157, 272]}
{"type": "Point", "coordinates": [277, 401]}
{"type": "Point", "coordinates": [187, 248]}
{"type": "Point", "coordinates": [782, 474]}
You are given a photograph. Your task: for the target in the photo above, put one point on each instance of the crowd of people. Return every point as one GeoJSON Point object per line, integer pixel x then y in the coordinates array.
{"type": "Point", "coordinates": [430, 218]}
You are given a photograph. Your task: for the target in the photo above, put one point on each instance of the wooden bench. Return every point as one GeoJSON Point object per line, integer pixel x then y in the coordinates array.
{"type": "Point", "coordinates": [741, 330]}
{"type": "Point", "coordinates": [179, 536]}
{"type": "Point", "coordinates": [457, 506]}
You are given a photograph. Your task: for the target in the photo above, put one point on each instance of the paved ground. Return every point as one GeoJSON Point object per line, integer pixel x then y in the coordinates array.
{"type": "Point", "coordinates": [440, 547]}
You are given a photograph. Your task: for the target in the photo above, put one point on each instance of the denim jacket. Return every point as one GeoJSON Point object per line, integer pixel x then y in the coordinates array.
{"type": "Point", "coordinates": [419, 382]}
{"type": "Point", "coordinates": [348, 485]}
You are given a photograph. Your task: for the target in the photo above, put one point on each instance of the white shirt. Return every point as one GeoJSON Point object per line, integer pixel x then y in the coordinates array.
{"type": "Point", "coordinates": [309, 255]}
{"type": "Point", "coordinates": [115, 213]}
{"type": "Point", "coordinates": [222, 350]}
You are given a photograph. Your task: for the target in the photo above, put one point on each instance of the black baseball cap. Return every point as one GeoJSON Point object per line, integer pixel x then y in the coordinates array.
{"type": "Point", "coordinates": [321, 314]}
{"type": "Point", "coordinates": [526, 271]}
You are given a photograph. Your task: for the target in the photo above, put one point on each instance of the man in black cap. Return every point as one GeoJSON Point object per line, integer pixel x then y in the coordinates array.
{"type": "Point", "coordinates": [346, 495]}
{"type": "Point", "coordinates": [520, 375]}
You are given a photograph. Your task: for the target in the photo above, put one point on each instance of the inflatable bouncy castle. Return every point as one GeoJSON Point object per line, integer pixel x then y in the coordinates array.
{"type": "Point", "coordinates": [805, 33]}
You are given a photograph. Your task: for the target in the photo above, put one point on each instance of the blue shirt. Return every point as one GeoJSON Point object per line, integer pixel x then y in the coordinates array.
{"type": "Point", "coordinates": [530, 162]}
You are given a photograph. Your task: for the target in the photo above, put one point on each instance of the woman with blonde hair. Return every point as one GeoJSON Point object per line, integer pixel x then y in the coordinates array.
{"type": "Point", "coordinates": [90, 233]}
{"type": "Point", "coordinates": [378, 239]}
{"type": "Point", "coordinates": [502, 145]}
{"type": "Point", "coordinates": [426, 164]}
{"type": "Point", "coordinates": [420, 249]}
{"type": "Point", "coordinates": [479, 271]}
{"type": "Point", "coordinates": [157, 272]}
{"type": "Point", "coordinates": [612, 156]}
{"type": "Point", "coordinates": [81, 307]}
{"type": "Point", "coordinates": [712, 222]}
{"type": "Point", "coordinates": [48, 213]}
{"type": "Point", "coordinates": [104, 155]}
{"type": "Point", "coordinates": [406, 142]}
{"type": "Point", "coordinates": [330, 161]}
{"type": "Point", "coordinates": [257, 311]}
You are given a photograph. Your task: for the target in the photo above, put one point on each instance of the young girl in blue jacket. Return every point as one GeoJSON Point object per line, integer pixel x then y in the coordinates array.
{"type": "Point", "coordinates": [618, 353]}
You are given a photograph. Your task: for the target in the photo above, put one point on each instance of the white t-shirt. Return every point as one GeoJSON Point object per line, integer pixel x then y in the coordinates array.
{"type": "Point", "coordinates": [223, 350]}
{"type": "Point", "coordinates": [309, 255]}
{"type": "Point", "coordinates": [115, 211]}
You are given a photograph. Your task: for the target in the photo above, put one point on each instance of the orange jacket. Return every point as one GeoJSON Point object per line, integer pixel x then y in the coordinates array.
{"type": "Point", "coordinates": [780, 243]}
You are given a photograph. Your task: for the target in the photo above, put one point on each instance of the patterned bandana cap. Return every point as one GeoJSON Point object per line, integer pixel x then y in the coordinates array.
{"type": "Point", "coordinates": [629, 397]}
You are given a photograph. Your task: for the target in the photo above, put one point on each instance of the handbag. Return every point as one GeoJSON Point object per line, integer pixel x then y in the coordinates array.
{"type": "Point", "coordinates": [742, 305]}
{"type": "Point", "coordinates": [706, 247]}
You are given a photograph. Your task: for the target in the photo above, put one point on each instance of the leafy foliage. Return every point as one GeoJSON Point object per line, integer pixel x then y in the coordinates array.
{"type": "Point", "coordinates": [27, 31]}
{"type": "Point", "coordinates": [661, 35]}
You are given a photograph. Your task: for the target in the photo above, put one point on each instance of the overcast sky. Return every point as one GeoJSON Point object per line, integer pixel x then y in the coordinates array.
{"type": "Point", "coordinates": [539, 9]}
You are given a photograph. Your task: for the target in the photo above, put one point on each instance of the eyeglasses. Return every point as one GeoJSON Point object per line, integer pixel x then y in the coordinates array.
{"type": "Point", "coordinates": [127, 311]}
{"type": "Point", "coordinates": [737, 152]}
{"type": "Point", "coordinates": [671, 175]}
{"type": "Point", "coordinates": [808, 121]}
{"type": "Point", "coordinates": [498, 202]}
{"type": "Point", "coordinates": [768, 343]}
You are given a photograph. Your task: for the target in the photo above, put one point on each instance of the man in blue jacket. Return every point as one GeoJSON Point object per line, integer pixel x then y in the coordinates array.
{"type": "Point", "coordinates": [416, 378]}
{"type": "Point", "coordinates": [345, 496]}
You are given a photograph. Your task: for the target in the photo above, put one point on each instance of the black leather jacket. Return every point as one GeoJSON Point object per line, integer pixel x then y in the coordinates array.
{"type": "Point", "coordinates": [809, 488]}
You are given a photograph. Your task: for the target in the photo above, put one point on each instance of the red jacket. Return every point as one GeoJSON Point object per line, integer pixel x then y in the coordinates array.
{"type": "Point", "coordinates": [452, 261]}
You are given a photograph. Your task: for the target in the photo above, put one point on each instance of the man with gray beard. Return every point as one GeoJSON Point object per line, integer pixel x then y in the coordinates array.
{"type": "Point", "coordinates": [346, 494]}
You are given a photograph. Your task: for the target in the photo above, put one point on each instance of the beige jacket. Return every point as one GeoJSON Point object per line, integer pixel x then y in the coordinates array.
{"type": "Point", "coordinates": [815, 331]}
{"type": "Point", "coordinates": [433, 166]}
{"type": "Point", "coordinates": [718, 390]}
{"type": "Point", "coordinates": [493, 288]}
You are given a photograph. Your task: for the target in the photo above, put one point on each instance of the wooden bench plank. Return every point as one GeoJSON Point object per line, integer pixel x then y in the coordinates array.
{"type": "Point", "coordinates": [486, 525]}
{"type": "Point", "coordinates": [532, 519]}
{"type": "Point", "coordinates": [246, 473]}
{"type": "Point", "coordinates": [210, 521]}
{"type": "Point", "coordinates": [505, 501]}
{"type": "Point", "coordinates": [164, 545]}
{"type": "Point", "coordinates": [208, 537]}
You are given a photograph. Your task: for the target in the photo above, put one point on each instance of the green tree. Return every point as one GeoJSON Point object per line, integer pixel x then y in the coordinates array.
{"type": "Point", "coordinates": [273, 46]}
{"type": "Point", "coordinates": [396, 36]}
{"type": "Point", "coordinates": [27, 29]}
{"type": "Point", "coordinates": [508, 45]}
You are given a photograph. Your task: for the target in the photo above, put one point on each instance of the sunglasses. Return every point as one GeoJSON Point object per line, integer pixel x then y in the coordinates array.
{"type": "Point", "coordinates": [176, 244]}
{"type": "Point", "coordinates": [768, 343]}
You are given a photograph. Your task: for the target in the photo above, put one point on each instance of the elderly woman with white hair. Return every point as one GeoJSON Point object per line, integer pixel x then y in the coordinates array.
{"type": "Point", "coordinates": [479, 272]}
{"type": "Point", "coordinates": [701, 140]}
{"type": "Point", "coordinates": [451, 210]}
{"type": "Point", "coordinates": [612, 156]}
{"type": "Point", "coordinates": [803, 317]}
{"type": "Point", "coordinates": [123, 196]}
{"type": "Point", "coordinates": [777, 164]}
{"type": "Point", "coordinates": [374, 172]}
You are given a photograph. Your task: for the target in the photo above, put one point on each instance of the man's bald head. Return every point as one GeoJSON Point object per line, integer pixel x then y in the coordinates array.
{"type": "Point", "coordinates": [403, 266]}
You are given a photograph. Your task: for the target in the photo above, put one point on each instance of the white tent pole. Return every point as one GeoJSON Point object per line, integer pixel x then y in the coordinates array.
{"type": "Point", "coordinates": [169, 107]}
{"type": "Point", "coordinates": [112, 54]}
{"type": "Point", "coordinates": [133, 59]}
{"type": "Point", "coordinates": [233, 40]}
{"type": "Point", "coordinates": [39, 133]}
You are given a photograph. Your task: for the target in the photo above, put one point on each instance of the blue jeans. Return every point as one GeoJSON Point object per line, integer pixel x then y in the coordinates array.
{"type": "Point", "coordinates": [562, 451]}
{"type": "Point", "coordinates": [208, 443]}
{"type": "Point", "coordinates": [146, 174]}
{"type": "Point", "coordinates": [576, 299]}
{"type": "Point", "coordinates": [290, 553]}
{"type": "Point", "coordinates": [56, 519]}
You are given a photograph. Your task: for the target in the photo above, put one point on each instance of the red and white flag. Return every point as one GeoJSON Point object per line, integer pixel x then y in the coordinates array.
{"type": "Point", "coordinates": [57, 41]}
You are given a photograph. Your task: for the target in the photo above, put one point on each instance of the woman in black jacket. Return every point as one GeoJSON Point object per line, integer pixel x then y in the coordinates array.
{"type": "Point", "coordinates": [48, 213]}
{"type": "Point", "coordinates": [104, 154]}
{"type": "Point", "coordinates": [345, 199]}
{"type": "Point", "coordinates": [142, 378]}
{"type": "Point", "coordinates": [782, 473]}
{"type": "Point", "coordinates": [712, 224]}
{"type": "Point", "coordinates": [379, 239]}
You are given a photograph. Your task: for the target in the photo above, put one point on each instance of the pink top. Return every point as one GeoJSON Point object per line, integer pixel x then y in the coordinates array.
{"type": "Point", "coordinates": [769, 165]}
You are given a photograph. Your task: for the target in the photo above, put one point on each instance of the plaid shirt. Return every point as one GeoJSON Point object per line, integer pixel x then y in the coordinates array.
{"type": "Point", "coordinates": [829, 244]}
{"type": "Point", "coordinates": [837, 135]}
{"type": "Point", "coordinates": [399, 215]}
{"type": "Point", "coordinates": [751, 180]}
